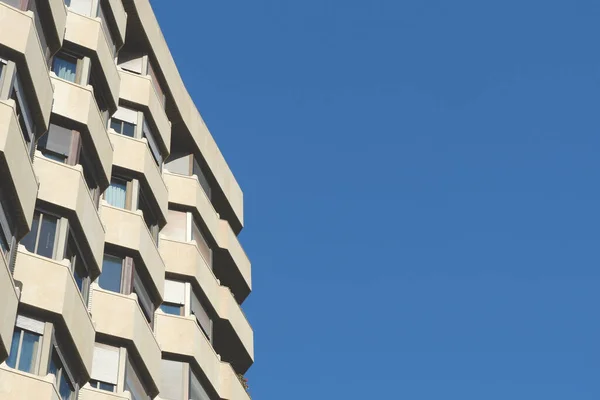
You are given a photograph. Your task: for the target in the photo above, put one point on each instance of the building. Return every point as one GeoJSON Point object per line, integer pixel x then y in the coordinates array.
{"type": "Point", "coordinates": [121, 273]}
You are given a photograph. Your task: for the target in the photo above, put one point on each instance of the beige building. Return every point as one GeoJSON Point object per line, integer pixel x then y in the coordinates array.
{"type": "Point", "coordinates": [121, 273]}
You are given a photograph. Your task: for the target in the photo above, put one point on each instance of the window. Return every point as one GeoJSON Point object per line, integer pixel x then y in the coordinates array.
{"type": "Point", "coordinates": [63, 378]}
{"type": "Point", "coordinates": [198, 310]}
{"type": "Point", "coordinates": [6, 227]}
{"type": "Point", "coordinates": [106, 28]}
{"type": "Point", "coordinates": [116, 194]}
{"type": "Point", "coordinates": [178, 381]}
{"type": "Point", "coordinates": [179, 294]}
{"type": "Point", "coordinates": [124, 121]}
{"type": "Point", "coordinates": [90, 175]}
{"type": "Point", "coordinates": [197, 391]}
{"type": "Point", "coordinates": [105, 367]}
{"type": "Point", "coordinates": [25, 346]}
{"type": "Point", "coordinates": [111, 277]}
{"type": "Point", "coordinates": [99, 94]}
{"type": "Point", "coordinates": [68, 3]}
{"type": "Point", "coordinates": [119, 274]}
{"type": "Point", "coordinates": [65, 66]}
{"type": "Point", "coordinates": [149, 135]}
{"type": "Point", "coordinates": [79, 268]}
{"type": "Point", "coordinates": [133, 384]}
{"type": "Point", "coordinates": [156, 85]}
{"type": "Point", "coordinates": [20, 4]}
{"type": "Point", "coordinates": [202, 179]}
{"type": "Point", "coordinates": [173, 309]}
{"type": "Point", "coordinates": [201, 242]}
{"type": "Point", "coordinates": [61, 144]}
{"type": "Point", "coordinates": [42, 237]}
{"type": "Point", "coordinates": [23, 112]}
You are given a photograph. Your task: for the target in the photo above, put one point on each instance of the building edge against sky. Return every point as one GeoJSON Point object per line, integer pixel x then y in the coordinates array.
{"type": "Point", "coordinates": [121, 273]}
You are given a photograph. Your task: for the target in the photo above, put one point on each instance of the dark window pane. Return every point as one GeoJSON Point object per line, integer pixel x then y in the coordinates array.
{"type": "Point", "coordinates": [110, 278]}
{"type": "Point", "coordinates": [14, 348]}
{"type": "Point", "coordinates": [106, 386]}
{"type": "Point", "coordinates": [29, 240]}
{"type": "Point", "coordinates": [47, 236]}
{"type": "Point", "coordinates": [171, 309]}
{"type": "Point", "coordinates": [65, 388]}
{"type": "Point", "coordinates": [3, 242]}
{"type": "Point", "coordinates": [115, 124]}
{"type": "Point", "coordinates": [65, 67]}
{"type": "Point", "coordinates": [128, 129]}
{"type": "Point", "coordinates": [54, 156]}
{"type": "Point", "coordinates": [79, 277]}
{"type": "Point", "coordinates": [29, 351]}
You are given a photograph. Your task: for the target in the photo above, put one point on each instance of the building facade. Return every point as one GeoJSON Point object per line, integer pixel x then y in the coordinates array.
{"type": "Point", "coordinates": [121, 272]}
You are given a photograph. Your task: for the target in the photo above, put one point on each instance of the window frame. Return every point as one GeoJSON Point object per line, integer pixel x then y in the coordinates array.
{"type": "Point", "coordinates": [32, 326]}
{"type": "Point", "coordinates": [78, 260]}
{"type": "Point", "coordinates": [42, 212]}
{"type": "Point", "coordinates": [76, 60]}
{"type": "Point", "coordinates": [62, 368]}
{"type": "Point", "coordinates": [75, 144]}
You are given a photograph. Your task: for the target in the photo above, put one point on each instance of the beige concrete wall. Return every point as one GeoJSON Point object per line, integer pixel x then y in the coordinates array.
{"type": "Point", "coordinates": [89, 393]}
{"type": "Point", "coordinates": [121, 317]}
{"type": "Point", "coordinates": [14, 150]}
{"type": "Point", "coordinates": [184, 259]}
{"type": "Point", "coordinates": [182, 335]}
{"type": "Point", "coordinates": [77, 103]}
{"type": "Point", "coordinates": [8, 308]}
{"type": "Point", "coordinates": [64, 185]}
{"type": "Point", "coordinates": [228, 240]}
{"type": "Point", "coordinates": [134, 155]}
{"type": "Point", "coordinates": [59, 16]}
{"type": "Point", "coordinates": [186, 191]}
{"type": "Point", "coordinates": [17, 385]}
{"type": "Point", "coordinates": [231, 388]}
{"type": "Point", "coordinates": [49, 285]}
{"type": "Point", "coordinates": [190, 115]}
{"type": "Point", "coordinates": [116, 6]}
{"type": "Point", "coordinates": [17, 32]}
{"type": "Point", "coordinates": [230, 310]}
{"type": "Point", "coordinates": [127, 229]}
{"type": "Point", "coordinates": [138, 89]}
{"type": "Point", "coordinates": [87, 32]}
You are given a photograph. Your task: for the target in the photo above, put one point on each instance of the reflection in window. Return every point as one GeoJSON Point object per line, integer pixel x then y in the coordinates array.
{"type": "Point", "coordinates": [40, 240]}
{"type": "Point", "coordinates": [63, 383]}
{"type": "Point", "coordinates": [24, 350]}
{"type": "Point", "coordinates": [111, 276]}
{"type": "Point", "coordinates": [116, 194]}
{"type": "Point", "coordinates": [122, 127]}
{"type": "Point", "coordinates": [65, 67]}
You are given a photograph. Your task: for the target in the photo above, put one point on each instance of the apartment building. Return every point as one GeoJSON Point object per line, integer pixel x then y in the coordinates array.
{"type": "Point", "coordinates": [121, 276]}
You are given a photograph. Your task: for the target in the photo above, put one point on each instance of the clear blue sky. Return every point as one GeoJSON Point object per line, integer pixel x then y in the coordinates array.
{"type": "Point", "coordinates": [421, 185]}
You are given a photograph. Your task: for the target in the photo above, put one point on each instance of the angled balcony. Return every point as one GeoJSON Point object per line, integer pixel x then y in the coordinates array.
{"type": "Point", "coordinates": [57, 19]}
{"type": "Point", "coordinates": [19, 42]}
{"type": "Point", "coordinates": [134, 155]}
{"type": "Point", "coordinates": [77, 103]}
{"type": "Point", "coordinates": [87, 33]}
{"type": "Point", "coordinates": [119, 318]}
{"type": "Point", "coordinates": [65, 186]}
{"type": "Point", "coordinates": [50, 289]}
{"type": "Point", "coordinates": [234, 337]}
{"type": "Point", "coordinates": [231, 264]}
{"type": "Point", "coordinates": [231, 388]}
{"type": "Point", "coordinates": [138, 90]}
{"type": "Point", "coordinates": [16, 385]}
{"type": "Point", "coordinates": [8, 308]}
{"type": "Point", "coordinates": [127, 229]}
{"type": "Point", "coordinates": [16, 168]}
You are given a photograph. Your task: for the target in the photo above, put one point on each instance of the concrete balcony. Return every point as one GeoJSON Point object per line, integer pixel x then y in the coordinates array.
{"type": "Point", "coordinates": [127, 229]}
{"type": "Point", "coordinates": [50, 289]}
{"type": "Point", "coordinates": [19, 43]}
{"type": "Point", "coordinates": [231, 264]}
{"type": "Point", "coordinates": [58, 14]}
{"type": "Point", "coordinates": [88, 393]}
{"type": "Point", "coordinates": [134, 155]}
{"type": "Point", "coordinates": [181, 336]}
{"type": "Point", "coordinates": [17, 385]}
{"type": "Point", "coordinates": [64, 185]}
{"type": "Point", "coordinates": [16, 168]}
{"type": "Point", "coordinates": [231, 387]}
{"type": "Point", "coordinates": [88, 33]}
{"type": "Point", "coordinates": [8, 308]}
{"type": "Point", "coordinates": [234, 337]}
{"type": "Point", "coordinates": [120, 17]}
{"type": "Point", "coordinates": [120, 318]}
{"type": "Point", "coordinates": [77, 103]}
{"type": "Point", "coordinates": [139, 90]}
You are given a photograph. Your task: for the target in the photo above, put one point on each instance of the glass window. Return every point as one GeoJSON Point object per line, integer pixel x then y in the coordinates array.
{"type": "Point", "coordinates": [202, 243]}
{"type": "Point", "coordinates": [149, 135]}
{"type": "Point", "coordinates": [133, 384]}
{"type": "Point", "coordinates": [109, 387]}
{"type": "Point", "coordinates": [106, 28]}
{"type": "Point", "coordinates": [63, 383]}
{"type": "Point", "coordinates": [172, 379]}
{"type": "Point", "coordinates": [22, 110]}
{"type": "Point", "coordinates": [149, 215]}
{"type": "Point", "coordinates": [116, 194]}
{"type": "Point", "coordinates": [173, 309]}
{"type": "Point", "coordinates": [111, 276]}
{"type": "Point", "coordinates": [58, 144]}
{"type": "Point", "coordinates": [197, 391]}
{"type": "Point", "coordinates": [122, 127]}
{"type": "Point", "coordinates": [78, 267]}
{"type": "Point", "coordinates": [199, 172]}
{"type": "Point", "coordinates": [41, 239]}
{"type": "Point", "coordinates": [24, 350]}
{"type": "Point", "coordinates": [6, 226]}
{"type": "Point", "coordinates": [65, 67]}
